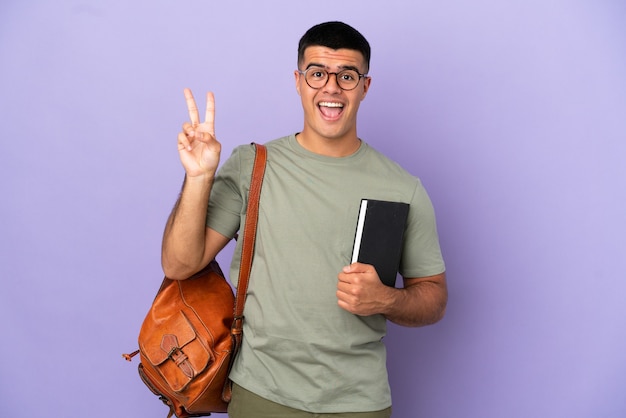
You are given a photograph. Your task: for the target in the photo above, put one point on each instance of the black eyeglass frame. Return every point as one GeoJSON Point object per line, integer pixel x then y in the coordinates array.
{"type": "Point", "coordinates": [328, 74]}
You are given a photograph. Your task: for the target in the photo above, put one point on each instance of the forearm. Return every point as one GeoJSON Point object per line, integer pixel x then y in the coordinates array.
{"type": "Point", "coordinates": [421, 302]}
{"type": "Point", "coordinates": [183, 250]}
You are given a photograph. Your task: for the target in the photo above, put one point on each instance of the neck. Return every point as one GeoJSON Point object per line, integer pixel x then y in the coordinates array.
{"type": "Point", "coordinates": [329, 147]}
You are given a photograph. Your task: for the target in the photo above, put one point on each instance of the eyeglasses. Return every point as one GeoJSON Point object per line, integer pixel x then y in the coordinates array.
{"type": "Point", "coordinates": [317, 78]}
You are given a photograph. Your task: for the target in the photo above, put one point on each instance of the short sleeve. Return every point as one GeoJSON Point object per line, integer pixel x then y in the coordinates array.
{"type": "Point", "coordinates": [229, 192]}
{"type": "Point", "coordinates": [421, 256]}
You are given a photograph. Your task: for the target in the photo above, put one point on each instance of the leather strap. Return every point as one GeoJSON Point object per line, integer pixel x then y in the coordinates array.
{"type": "Point", "coordinates": [249, 236]}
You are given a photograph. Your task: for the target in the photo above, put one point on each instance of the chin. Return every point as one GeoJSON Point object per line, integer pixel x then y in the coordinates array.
{"type": "Point", "coordinates": [332, 136]}
{"type": "Point", "coordinates": [333, 132]}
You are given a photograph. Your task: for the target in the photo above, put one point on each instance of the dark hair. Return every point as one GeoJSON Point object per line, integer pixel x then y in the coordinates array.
{"type": "Point", "coordinates": [335, 35]}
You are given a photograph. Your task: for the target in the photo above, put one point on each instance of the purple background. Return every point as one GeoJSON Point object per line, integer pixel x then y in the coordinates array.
{"type": "Point", "coordinates": [512, 113]}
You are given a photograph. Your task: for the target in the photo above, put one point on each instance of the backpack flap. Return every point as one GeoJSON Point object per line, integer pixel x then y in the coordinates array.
{"type": "Point", "coordinates": [176, 352]}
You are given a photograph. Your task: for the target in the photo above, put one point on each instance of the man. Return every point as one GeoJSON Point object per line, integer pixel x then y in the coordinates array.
{"type": "Point", "coordinates": [314, 322]}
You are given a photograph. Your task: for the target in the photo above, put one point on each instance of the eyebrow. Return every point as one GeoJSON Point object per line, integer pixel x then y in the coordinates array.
{"type": "Point", "coordinates": [341, 67]}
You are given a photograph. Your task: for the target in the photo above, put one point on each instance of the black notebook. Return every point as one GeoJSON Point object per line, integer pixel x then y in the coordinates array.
{"type": "Point", "coordinates": [379, 237]}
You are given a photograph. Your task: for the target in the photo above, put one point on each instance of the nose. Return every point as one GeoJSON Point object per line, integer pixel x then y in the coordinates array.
{"type": "Point", "coordinates": [332, 84]}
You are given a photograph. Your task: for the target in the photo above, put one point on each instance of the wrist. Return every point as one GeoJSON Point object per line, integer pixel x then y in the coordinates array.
{"type": "Point", "coordinates": [200, 179]}
{"type": "Point", "coordinates": [392, 299]}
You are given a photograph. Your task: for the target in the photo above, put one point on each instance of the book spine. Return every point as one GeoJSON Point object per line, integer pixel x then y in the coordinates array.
{"type": "Point", "coordinates": [359, 231]}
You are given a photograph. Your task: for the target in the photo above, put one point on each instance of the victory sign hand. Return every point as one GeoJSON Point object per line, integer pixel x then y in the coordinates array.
{"type": "Point", "coordinates": [198, 148]}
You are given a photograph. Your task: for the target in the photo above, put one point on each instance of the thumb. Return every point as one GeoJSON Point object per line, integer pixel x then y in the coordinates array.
{"type": "Point", "coordinates": [355, 267]}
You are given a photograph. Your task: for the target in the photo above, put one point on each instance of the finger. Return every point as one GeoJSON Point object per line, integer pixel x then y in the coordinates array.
{"type": "Point", "coordinates": [209, 118]}
{"type": "Point", "coordinates": [183, 142]}
{"type": "Point", "coordinates": [346, 280]}
{"type": "Point", "coordinates": [358, 268]}
{"type": "Point", "coordinates": [188, 129]}
{"type": "Point", "coordinates": [352, 268]}
{"type": "Point", "coordinates": [194, 116]}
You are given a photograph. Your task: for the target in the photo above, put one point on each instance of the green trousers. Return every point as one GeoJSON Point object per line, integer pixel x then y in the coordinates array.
{"type": "Point", "coordinates": [246, 404]}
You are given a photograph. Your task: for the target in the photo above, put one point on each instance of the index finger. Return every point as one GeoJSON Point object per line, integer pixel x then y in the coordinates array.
{"type": "Point", "coordinates": [194, 116]}
{"type": "Point", "coordinates": [209, 117]}
{"type": "Point", "coordinates": [357, 267]}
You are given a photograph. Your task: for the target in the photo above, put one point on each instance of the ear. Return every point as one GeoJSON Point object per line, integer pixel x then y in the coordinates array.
{"type": "Point", "coordinates": [297, 77]}
{"type": "Point", "coordinates": [366, 86]}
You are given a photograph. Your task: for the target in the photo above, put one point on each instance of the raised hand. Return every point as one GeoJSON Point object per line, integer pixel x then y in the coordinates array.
{"type": "Point", "coordinates": [198, 148]}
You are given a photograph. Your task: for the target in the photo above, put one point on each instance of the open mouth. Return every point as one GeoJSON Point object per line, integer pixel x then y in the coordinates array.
{"type": "Point", "coordinates": [330, 110]}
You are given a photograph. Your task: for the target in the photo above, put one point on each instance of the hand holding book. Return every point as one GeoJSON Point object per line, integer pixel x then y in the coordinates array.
{"type": "Point", "coordinates": [360, 291]}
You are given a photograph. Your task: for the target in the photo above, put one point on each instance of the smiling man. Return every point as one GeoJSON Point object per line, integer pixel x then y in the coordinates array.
{"type": "Point", "coordinates": [314, 323]}
{"type": "Point", "coordinates": [332, 86]}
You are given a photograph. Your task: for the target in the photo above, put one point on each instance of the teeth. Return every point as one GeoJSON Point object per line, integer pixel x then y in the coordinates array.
{"type": "Point", "coordinates": [330, 104]}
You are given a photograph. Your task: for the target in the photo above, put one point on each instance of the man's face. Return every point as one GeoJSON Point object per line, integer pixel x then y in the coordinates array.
{"type": "Point", "coordinates": [330, 112]}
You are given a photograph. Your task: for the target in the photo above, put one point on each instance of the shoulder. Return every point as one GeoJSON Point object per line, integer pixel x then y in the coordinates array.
{"type": "Point", "coordinates": [241, 159]}
{"type": "Point", "coordinates": [247, 151]}
{"type": "Point", "coordinates": [386, 166]}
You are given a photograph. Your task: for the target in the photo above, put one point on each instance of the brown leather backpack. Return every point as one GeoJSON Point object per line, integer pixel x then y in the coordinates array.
{"type": "Point", "coordinates": [193, 330]}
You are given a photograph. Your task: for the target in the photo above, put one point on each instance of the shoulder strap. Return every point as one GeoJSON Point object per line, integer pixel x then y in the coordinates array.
{"type": "Point", "coordinates": [249, 236]}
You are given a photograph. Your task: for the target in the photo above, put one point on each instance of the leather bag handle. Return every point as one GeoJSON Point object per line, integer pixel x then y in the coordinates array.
{"type": "Point", "coordinates": [249, 236]}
